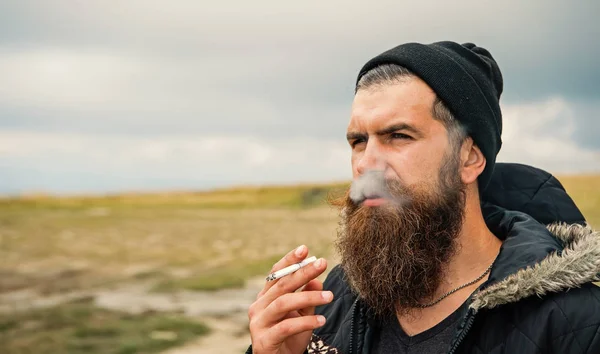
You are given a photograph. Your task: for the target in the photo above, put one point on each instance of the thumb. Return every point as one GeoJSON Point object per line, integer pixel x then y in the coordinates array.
{"type": "Point", "coordinates": [313, 285]}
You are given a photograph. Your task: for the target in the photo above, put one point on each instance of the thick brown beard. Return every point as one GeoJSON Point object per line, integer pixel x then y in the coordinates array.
{"type": "Point", "coordinates": [395, 256]}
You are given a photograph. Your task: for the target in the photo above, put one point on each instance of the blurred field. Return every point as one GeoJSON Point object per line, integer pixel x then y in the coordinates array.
{"type": "Point", "coordinates": [196, 241]}
{"type": "Point", "coordinates": [201, 241]}
{"type": "Point", "coordinates": [585, 191]}
{"type": "Point", "coordinates": [80, 327]}
{"type": "Point", "coordinates": [218, 235]}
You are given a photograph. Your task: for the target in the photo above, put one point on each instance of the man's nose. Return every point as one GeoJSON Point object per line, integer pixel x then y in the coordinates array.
{"type": "Point", "coordinates": [371, 159]}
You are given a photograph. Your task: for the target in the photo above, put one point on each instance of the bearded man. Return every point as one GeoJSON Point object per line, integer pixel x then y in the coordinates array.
{"type": "Point", "coordinates": [442, 249]}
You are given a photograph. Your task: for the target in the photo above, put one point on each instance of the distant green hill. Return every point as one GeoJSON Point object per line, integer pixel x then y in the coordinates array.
{"type": "Point", "coordinates": [292, 196]}
{"type": "Point", "coordinates": [584, 189]}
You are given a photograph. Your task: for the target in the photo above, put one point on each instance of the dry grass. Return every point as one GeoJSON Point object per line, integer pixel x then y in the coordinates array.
{"type": "Point", "coordinates": [186, 239]}
{"type": "Point", "coordinates": [585, 191]}
{"type": "Point", "coordinates": [224, 244]}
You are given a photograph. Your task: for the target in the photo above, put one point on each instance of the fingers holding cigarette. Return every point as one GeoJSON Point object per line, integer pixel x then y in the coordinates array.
{"type": "Point", "coordinates": [290, 269]}
{"type": "Point", "coordinates": [294, 281]}
{"type": "Point", "coordinates": [281, 317]}
{"type": "Point", "coordinates": [296, 255]}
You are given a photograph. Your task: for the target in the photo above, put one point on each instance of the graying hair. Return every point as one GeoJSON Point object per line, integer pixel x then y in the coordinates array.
{"type": "Point", "coordinates": [392, 74]}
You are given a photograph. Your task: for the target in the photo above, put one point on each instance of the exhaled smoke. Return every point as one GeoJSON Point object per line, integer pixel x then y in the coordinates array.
{"type": "Point", "coordinates": [372, 184]}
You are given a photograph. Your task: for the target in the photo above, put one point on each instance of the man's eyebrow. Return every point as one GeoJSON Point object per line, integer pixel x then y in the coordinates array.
{"type": "Point", "coordinates": [400, 126]}
{"type": "Point", "coordinates": [385, 131]}
{"type": "Point", "coordinates": [356, 136]}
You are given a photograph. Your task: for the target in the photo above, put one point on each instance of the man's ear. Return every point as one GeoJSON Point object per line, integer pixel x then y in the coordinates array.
{"type": "Point", "coordinates": [472, 161]}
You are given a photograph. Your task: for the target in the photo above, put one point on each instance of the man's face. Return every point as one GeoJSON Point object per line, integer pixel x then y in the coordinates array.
{"type": "Point", "coordinates": [405, 209]}
{"type": "Point", "coordinates": [392, 130]}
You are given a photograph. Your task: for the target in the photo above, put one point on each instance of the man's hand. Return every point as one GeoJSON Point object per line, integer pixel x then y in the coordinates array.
{"type": "Point", "coordinates": [281, 319]}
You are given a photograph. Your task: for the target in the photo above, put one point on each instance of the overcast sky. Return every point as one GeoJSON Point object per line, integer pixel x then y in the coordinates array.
{"type": "Point", "coordinates": [105, 96]}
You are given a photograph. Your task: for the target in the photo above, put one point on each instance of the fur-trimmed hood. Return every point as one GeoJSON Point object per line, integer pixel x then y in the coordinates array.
{"type": "Point", "coordinates": [547, 244]}
{"type": "Point", "coordinates": [577, 263]}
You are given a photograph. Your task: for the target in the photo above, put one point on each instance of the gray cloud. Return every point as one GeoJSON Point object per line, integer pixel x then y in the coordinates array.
{"type": "Point", "coordinates": [268, 69]}
{"type": "Point", "coordinates": [587, 126]}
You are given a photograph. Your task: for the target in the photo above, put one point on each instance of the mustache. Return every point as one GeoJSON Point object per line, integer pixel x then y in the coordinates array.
{"type": "Point", "coordinates": [373, 184]}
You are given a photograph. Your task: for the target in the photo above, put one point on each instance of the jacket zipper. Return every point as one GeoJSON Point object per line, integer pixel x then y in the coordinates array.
{"type": "Point", "coordinates": [470, 319]}
{"type": "Point", "coordinates": [352, 329]}
{"type": "Point", "coordinates": [464, 332]}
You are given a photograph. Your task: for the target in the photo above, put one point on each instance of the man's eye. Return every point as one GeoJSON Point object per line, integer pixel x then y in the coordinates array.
{"type": "Point", "coordinates": [400, 136]}
{"type": "Point", "coordinates": [356, 142]}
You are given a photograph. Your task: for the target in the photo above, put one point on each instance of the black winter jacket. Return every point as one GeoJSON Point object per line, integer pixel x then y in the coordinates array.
{"type": "Point", "coordinates": [540, 296]}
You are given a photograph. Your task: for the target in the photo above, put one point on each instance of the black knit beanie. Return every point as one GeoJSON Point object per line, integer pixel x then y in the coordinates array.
{"type": "Point", "coordinates": [469, 82]}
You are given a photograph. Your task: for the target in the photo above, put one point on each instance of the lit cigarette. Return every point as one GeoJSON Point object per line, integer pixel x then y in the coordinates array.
{"type": "Point", "coordinates": [291, 269]}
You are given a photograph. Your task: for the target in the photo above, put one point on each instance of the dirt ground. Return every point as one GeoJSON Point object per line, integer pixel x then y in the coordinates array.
{"type": "Point", "coordinates": [224, 311]}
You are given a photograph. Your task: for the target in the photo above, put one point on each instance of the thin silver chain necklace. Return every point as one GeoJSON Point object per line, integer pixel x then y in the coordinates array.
{"type": "Point", "coordinates": [457, 289]}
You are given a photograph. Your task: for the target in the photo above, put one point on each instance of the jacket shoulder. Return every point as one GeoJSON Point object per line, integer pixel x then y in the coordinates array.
{"type": "Point", "coordinates": [564, 322]}
{"type": "Point", "coordinates": [578, 317]}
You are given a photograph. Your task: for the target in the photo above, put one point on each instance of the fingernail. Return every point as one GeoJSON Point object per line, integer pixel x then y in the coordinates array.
{"type": "Point", "coordinates": [327, 295]}
{"type": "Point", "coordinates": [300, 251]}
{"type": "Point", "coordinates": [321, 320]}
{"type": "Point", "coordinates": [318, 262]}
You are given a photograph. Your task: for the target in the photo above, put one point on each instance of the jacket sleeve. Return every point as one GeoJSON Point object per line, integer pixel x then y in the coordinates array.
{"type": "Point", "coordinates": [594, 346]}
{"type": "Point", "coordinates": [582, 340]}
{"type": "Point", "coordinates": [581, 323]}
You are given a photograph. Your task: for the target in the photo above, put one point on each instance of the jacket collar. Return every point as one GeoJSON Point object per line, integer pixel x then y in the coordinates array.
{"type": "Point", "coordinates": [535, 259]}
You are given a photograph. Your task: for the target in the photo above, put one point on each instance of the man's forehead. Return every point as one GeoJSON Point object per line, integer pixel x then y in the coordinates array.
{"type": "Point", "coordinates": [391, 104]}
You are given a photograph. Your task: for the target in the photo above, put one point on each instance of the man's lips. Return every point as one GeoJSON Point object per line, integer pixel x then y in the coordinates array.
{"type": "Point", "coordinates": [373, 201]}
